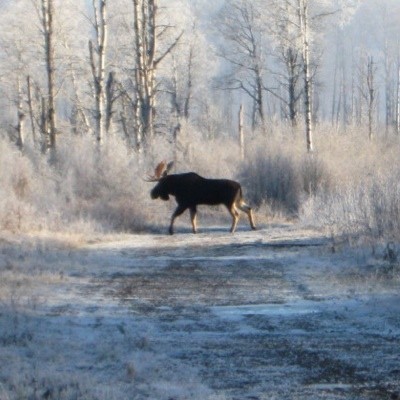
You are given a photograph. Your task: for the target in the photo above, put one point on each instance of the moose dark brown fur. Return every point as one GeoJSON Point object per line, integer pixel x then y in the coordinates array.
{"type": "Point", "coordinates": [191, 190]}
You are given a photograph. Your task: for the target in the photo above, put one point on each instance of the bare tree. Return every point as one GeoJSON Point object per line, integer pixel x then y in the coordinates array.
{"type": "Point", "coordinates": [180, 89]}
{"type": "Point", "coordinates": [341, 107]}
{"type": "Point", "coordinates": [31, 108]}
{"type": "Point", "coordinates": [20, 117]}
{"type": "Point", "coordinates": [241, 132]}
{"type": "Point", "coordinates": [240, 25]}
{"type": "Point", "coordinates": [97, 52]}
{"type": "Point", "coordinates": [283, 27]}
{"type": "Point", "coordinates": [305, 43]}
{"type": "Point", "coordinates": [369, 93]}
{"type": "Point", "coordinates": [47, 15]}
{"type": "Point", "coordinates": [147, 34]}
{"type": "Point", "coordinates": [398, 96]}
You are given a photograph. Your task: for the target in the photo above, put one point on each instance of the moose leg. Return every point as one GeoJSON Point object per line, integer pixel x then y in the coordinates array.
{"type": "Point", "coordinates": [193, 212]}
{"type": "Point", "coordinates": [246, 209]}
{"type": "Point", "coordinates": [179, 210]}
{"type": "Point", "coordinates": [235, 216]}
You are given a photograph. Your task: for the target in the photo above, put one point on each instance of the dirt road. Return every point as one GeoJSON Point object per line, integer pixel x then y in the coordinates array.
{"type": "Point", "coordinates": [271, 314]}
{"type": "Point", "coordinates": [268, 315]}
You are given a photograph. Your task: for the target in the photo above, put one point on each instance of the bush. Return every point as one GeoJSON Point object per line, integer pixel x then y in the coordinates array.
{"type": "Point", "coordinates": [348, 186]}
{"type": "Point", "coordinates": [361, 199]}
{"type": "Point", "coordinates": [85, 189]}
{"type": "Point", "coordinates": [368, 211]}
{"type": "Point", "coordinates": [283, 180]}
{"type": "Point", "coordinates": [315, 176]}
{"type": "Point", "coordinates": [272, 179]}
{"type": "Point", "coordinates": [105, 187]}
{"type": "Point", "coordinates": [26, 191]}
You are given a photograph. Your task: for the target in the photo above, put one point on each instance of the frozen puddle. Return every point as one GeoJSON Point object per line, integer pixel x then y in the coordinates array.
{"type": "Point", "coordinates": [287, 309]}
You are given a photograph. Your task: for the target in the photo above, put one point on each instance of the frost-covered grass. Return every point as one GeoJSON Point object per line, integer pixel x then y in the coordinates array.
{"type": "Point", "coordinates": [349, 185]}
{"type": "Point", "coordinates": [362, 202]}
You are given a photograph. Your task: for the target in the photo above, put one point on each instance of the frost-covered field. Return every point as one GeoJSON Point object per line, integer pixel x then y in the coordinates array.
{"type": "Point", "coordinates": [270, 314]}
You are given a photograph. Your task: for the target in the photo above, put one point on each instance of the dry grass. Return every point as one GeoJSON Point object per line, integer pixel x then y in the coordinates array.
{"type": "Point", "coordinates": [348, 184]}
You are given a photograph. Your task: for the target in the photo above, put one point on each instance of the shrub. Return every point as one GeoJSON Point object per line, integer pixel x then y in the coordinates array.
{"type": "Point", "coordinates": [315, 175]}
{"type": "Point", "coordinates": [282, 180]}
{"type": "Point", "coordinates": [85, 189]}
{"type": "Point", "coordinates": [369, 210]}
{"type": "Point", "coordinates": [349, 185]}
{"type": "Point", "coordinates": [103, 186]}
{"type": "Point", "coordinates": [272, 178]}
{"type": "Point", "coordinates": [26, 192]}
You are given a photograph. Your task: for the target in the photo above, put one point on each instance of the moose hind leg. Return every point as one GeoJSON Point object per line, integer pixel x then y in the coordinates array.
{"type": "Point", "coordinates": [193, 213]}
{"type": "Point", "coordinates": [178, 211]}
{"type": "Point", "coordinates": [246, 209]}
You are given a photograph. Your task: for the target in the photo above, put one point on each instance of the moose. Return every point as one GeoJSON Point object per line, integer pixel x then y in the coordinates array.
{"type": "Point", "coordinates": [191, 190]}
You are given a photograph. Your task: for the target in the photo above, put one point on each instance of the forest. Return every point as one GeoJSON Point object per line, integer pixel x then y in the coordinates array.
{"type": "Point", "coordinates": [299, 100]}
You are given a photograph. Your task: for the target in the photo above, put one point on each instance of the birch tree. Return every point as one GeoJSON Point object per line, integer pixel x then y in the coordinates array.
{"type": "Point", "coordinates": [21, 69]}
{"type": "Point", "coordinates": [341, 107]}
{"type": "Point", "coordinates": [148, 56]}
{"type": "Point", "coordinates": [305, 47]}
{"type": "Point", "coordinates": [397, 120]}
{"type": "Point", "coordinates": [97, 53]}
{"type": "Point", "coordinates": [183, 77]}
{"type": "Point", "coordinates": [283, 27]}
{"type": "Point", "coordinates": [20, 118]}
{"type": "Point", "coordinates": [369, 92]}
{"type": "Point", "coordinates": [46, 19]}
{"type": "Point", "coordinates": [12, 84]}
{"type": "Point", "coordinates": [240, 25]}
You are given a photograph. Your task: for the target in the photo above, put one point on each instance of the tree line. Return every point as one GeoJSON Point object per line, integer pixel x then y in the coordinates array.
{"type": "Point", "coordinates": [142, 68]}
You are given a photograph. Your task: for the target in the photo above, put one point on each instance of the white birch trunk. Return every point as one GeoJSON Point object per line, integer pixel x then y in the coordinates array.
{"type": "Point", "coordinates": [241, 132]}
{"type": "Point", "coordinates": [47, 24]}
{"type": "Point", "coordinates": [146, 63]}
{"type": "Point", "coordinates": [304, 28]}
{"type": "Point", "coordinates": [30, 107]}
{"type": "Point", "coordinates": [398, 99]}
{"type": "Point", "coordinates": [98, 67]}
{"type": "Point", "coordinates": [21, 118]}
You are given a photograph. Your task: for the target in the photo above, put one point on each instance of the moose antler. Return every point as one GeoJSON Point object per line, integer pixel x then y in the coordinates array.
{"type": "Point", "coordinates": [160, 171]}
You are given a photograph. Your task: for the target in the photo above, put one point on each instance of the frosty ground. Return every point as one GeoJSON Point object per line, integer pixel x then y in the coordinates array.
{"type": "Point", "coordinates": [270, 314]}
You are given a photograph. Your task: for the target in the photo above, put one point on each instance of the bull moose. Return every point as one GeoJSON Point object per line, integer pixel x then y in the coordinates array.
{"type": "Point", "coordinates": [191, 190]}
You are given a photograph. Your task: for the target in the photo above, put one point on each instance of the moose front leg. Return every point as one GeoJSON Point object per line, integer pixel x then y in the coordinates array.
{"type": "Point", "coordinates": [179, 210]}
{"type": "Point", "coordinates": [235, 217]}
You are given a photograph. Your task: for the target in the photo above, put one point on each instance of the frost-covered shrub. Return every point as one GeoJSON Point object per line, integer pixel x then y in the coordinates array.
{"type": "Point", "coordinates": [272, 178]}
{"type": "Point", "coordinates": [348, 184]}
{"type": "Point", "coordinates": [282, 179]}
{"type": "Point", "coordinates": [370, 209]}
{"type": "Point", "coordinates": [84, 189]}
{"type": "Point", "coordinates": [361, 198]}
{"type": "Point", "coordinates": [26, 196]}
{"type": "Point", "coordinates": [314, 174]}
{"type": "Point", "coordinates": [212, 158]}
{"type": "Point", "coordinates": [105, 186]}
